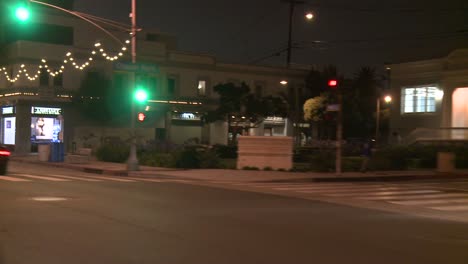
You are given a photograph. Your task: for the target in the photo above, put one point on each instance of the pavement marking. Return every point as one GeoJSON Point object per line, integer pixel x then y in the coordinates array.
{"type": "Point", "coordinates": [76, 178]}
{"type": "Point", "coordinates": [451, 208]}
{"type": "Point", "coordinates": [404, 197]}
{"type": "Point", "coordinates": [446, 199]}
{"type": "Point", "coordinates": [40, 177]}
{"type": "Point", "coordinates": [7, 178]}
{"type": "Point", "coordinates": [48, 199]}
{"type": "Point", "coordinates": [110, 178]}
{"type": "Point", "coordinates": [352, 191]}
{"type": "Point", "coordinates": [381, 195]}
{"type": "Point", "coordinates": [348, 189]}
{"type": "Point", "coordinates": [146, 179]}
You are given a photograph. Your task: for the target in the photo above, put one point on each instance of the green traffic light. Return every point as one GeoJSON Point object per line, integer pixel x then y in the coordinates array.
{"type": "Point", "coordinates": [141, 95]}
{"type": "Point", "coordinates": [22, 13]}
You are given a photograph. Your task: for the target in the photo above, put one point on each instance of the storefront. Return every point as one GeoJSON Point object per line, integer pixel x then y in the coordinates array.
{"type": "Point", "coordinates": [46, 126]}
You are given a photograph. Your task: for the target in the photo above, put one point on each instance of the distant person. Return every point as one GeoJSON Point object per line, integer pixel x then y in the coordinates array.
{"type": "Point", "coordinates": [366, 154]}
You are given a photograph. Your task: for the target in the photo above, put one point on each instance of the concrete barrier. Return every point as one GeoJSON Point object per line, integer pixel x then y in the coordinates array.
{"type": "Point", "coordinates": [261, 152]}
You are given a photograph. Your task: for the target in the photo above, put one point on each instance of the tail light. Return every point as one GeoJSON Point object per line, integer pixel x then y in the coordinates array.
{"type": "Point", "coordinates": [5, 153]}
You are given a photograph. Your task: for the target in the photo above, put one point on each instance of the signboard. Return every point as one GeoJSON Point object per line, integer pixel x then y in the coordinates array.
{"type": "Point", "coordinates": [36, 110]}
{"type": "Point", "coordinates": [333, 108]}
{"type": "Point", "coordinates": [8, 110]}
{"type": "Point", "coordinates": [186, 116]}
{"type": "Point", "coordinates": [138, 67]}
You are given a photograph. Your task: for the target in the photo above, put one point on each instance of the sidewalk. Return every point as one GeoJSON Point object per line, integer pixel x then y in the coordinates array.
{"type": "Point", "coordinates": [119, 169]}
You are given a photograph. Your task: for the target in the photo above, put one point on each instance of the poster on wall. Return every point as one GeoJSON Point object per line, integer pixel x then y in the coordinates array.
{"type": "Point", "coordinates": [9, 130]}
{"type": "Point", "coordinates": [44, 128]}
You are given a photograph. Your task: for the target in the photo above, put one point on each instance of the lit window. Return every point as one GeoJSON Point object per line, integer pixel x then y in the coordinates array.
{"type": "Point", "coordinates": [201, 87]}
{"type": "Point", "coordinates": [419, 100]}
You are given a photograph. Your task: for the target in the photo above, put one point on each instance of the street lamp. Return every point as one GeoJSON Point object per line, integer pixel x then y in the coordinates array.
{"type": "Point", "coordinates": [387, 99]}
{"type": "Point", "coordinates": [296, 112]}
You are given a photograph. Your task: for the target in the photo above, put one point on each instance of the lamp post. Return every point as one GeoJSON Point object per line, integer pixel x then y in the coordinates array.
{"type": "Point", "coordinates": [387, 100]}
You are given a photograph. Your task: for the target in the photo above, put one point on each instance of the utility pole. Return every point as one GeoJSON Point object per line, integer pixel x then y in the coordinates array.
{"type": "Point", "coordinates": [132, 163]}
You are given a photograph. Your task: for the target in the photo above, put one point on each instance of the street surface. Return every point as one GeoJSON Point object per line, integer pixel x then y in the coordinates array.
{"type": "Point", "coordinates": [53, 215]}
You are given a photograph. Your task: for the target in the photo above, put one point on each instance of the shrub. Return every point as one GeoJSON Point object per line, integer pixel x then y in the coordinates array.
{"type": "Point", "coordinates": [113, 152]}
{"type": "Point", "coordinates": [250, 168]}
{"type": "Point", "coordinates": [225, 152]}
{"type": "Point", "coordinates": [156, 159]}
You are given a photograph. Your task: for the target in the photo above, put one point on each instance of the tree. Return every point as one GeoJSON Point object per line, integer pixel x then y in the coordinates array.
{"type": "Point", "coordinates": [237, 105]}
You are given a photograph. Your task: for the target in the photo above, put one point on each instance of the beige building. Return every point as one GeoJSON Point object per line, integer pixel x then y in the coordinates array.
{"type": "Point", "coordinates": [431, 98]}
{"type": "Point", "coordinates": [46, 61]}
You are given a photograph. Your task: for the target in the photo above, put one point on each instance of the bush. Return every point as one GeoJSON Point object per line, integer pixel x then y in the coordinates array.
{"type": "Point", "coordinates": [323, 162]}
{"type": "Point", "coordinates": [113, 152]}
{"type": "Point", "coordinates": [225, 152]}
{"type": "Point", "coordinates": [156, 159]}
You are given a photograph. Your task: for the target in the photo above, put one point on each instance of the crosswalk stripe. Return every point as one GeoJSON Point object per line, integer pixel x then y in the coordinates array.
{"type": "Point", "coordinates": [403, 197]}
{"type": "Point", "coordinates": [358, 190]}
{"type": "Point", "coordinates": [442, 200]}
{"type": "Point", "coordinates": [451, 208]}
{"type": "Point", "coordinates": [7, 178]}
{"type": "Point", "coordinates": [76, 178]}
{"type": "Point", "coordinates": [384, 193]}
{"type": "Point", "coordinates": [355, 189]}
{"type": "Point", "coordinates": [110, 178]}
{"type": "Point", "coordinates": [146, 179]}
{"type": "Point", "coordinates": [41, 177]}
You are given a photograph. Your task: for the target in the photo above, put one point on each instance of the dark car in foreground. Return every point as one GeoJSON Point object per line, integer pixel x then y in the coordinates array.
{"type": "Point", "coordinates": [4, 157]}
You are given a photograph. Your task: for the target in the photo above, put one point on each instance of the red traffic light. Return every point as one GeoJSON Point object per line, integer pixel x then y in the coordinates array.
{"type": "Point", "coordinates": [141, 116]}
{"type": "Point", "coordinates": [332, 83]}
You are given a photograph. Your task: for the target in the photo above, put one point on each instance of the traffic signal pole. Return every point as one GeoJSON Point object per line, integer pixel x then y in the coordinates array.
{"type": "Point", "coordinates": [132, 162]}
{"type": "Point", "coordinates": [339, 133]}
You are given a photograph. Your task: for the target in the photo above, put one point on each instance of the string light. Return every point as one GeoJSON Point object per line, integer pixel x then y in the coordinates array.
{"type": "Point", "coordinates": [68, 58]}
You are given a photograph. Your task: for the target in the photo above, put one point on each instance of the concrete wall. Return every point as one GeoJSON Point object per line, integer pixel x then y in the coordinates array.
{"type": "Point", "coordinates": [262, 152]}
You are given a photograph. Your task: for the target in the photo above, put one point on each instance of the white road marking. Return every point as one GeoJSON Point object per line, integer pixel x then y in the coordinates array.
{"type": "Point", "coordinates": [7, 178]}
{"type": "Point", "coordinates": [110, 178]}
{"type": "Point", "coordinates": [451, 208]}
{"type": "Point", "coordinates": [41, 177]}
{"type": "Point", "coordinates": [442, 200]}
{"type": "Point", "coordinates": [76, 178]}
{"type": "Point", "coordinates": [384, 193]}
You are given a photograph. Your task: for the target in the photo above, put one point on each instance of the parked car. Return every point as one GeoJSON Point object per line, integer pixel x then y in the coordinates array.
{"type": "Point", "coordinates": [4, 157]}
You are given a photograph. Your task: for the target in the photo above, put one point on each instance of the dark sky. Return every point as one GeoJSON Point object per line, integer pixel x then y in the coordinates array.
{"type": "Point", "coordinates": [346, 33]}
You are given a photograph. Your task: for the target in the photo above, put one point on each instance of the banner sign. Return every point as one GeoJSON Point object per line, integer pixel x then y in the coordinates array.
{"type": "Point", "coordinates": [35, 110]}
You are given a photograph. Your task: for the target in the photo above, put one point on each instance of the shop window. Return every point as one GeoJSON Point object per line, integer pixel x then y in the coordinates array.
{"type": "Point", "coordinates": [171, 86]}
{"type": "Point", "coordinates": [201, 89]}
{"type": "Point", "coordinates": [419, 100]}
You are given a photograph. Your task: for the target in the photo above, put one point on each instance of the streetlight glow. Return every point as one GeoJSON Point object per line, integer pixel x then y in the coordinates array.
{"type": "Point", "coordinates": [388, 99]}
{"type": "Point", "coordinates": [309, 16]}
{"type": "Point", "coordinates": [283, 82]}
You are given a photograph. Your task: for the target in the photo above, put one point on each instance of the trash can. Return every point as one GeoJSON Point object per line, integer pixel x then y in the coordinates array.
{"type": "Point", "coordinates": [57, 153]}
{"type": "Point", "coordinates": [445, 162]}
{"type": "Point", "coordinates": [43, 150]}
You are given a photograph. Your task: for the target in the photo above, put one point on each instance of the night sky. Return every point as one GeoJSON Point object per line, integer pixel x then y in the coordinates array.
{"type": "Point", "coordinates": [346, 33]}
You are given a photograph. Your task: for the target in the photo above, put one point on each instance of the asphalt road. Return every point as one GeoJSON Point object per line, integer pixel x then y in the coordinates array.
{"type": "Point", "coordinates": [161, 222]}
